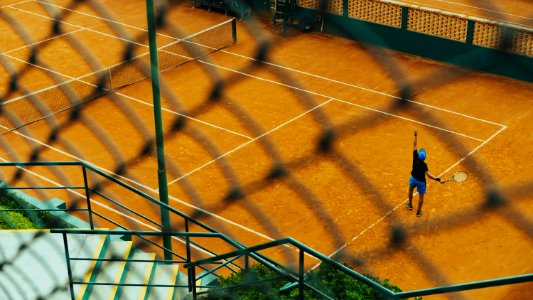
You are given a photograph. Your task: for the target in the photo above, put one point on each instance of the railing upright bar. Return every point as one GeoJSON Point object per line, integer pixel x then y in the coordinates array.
{"type": "Point", "coordinates": [148, 197]}
{"type": "Point", "coordinates": [126, 208]}
{"type": "Point", "coordinates": [87, 195]}
{"type": "Point", "coordinates": [188, 254]}
{"type": "Point", "coordinates": [301, 273]}
{"type": "Point", "coordinates": [69, 270]}
{"type": "Point", "coordinates": [192, 279]}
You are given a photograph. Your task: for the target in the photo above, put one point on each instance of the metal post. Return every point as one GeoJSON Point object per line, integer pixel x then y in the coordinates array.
{"type": "Point", "coordinates": [161, 169]}
{"type": "Point", "coordinates": [301, 275]}
{"type": "Point", "coordinates": [188, 252]}
{"type": "Point", "coordinates": [405, 17]}
{"type": "Point", "coordinates": [470, 32]}
{"type": "Point", "coordinates": [193, 276]}
{"type": "Point", "coordinates": [87, 196]}
{"type": "Point", "coordinates": [234, 30]}
{"type": "Point", "coordinates": [69, 270]}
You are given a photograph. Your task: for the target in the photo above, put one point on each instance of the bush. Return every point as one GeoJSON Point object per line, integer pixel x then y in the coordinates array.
{"type": "Point", "coordinates": [14, 220]}
{"type": "Point", "coordinates": [252, 284]}
{"type": "Point", "coordinates": [39, 219]}
{"type": "Point", "coordinates": [327, 279]}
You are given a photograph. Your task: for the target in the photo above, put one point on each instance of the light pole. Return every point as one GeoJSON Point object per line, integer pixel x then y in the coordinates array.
{"type": "Point", "coordinates": [156, 94]}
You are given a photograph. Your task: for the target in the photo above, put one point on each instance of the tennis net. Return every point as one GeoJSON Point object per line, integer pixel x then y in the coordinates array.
{"type": "Point", "coordinates": [44, 103]}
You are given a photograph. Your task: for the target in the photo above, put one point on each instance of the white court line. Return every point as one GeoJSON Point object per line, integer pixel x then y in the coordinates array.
{"type": "Point", "coordinates": [298, 71]}
{"type": "Point", "coordinates": [9, 5]}
{"type": "Point", "coordinates": [78, 26]}
{"type": "Point", "coordinates": [476, 7]}
{"type": "Point", "coordinates": [249, 142]}
{"type": "Point", "coordinates": [185, 116]}
{"type": "Point", "coordinates": [411, 120]}
{"type": "Point", "coordinates": [401, 203]}
{"type": "Point", "coordinates": [364, 89]}
{"type": "Point", "coordinates": [340, 100]}
{"type": "Point", "coordinates": [40, 42]}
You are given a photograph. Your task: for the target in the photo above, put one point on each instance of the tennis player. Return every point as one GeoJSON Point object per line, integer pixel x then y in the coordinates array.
{"type": "Point", "coordinates": [418, 178]}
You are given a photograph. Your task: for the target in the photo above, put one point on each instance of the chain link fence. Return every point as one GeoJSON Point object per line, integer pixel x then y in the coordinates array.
{"type": "Point", "coordinates": [75, 86]}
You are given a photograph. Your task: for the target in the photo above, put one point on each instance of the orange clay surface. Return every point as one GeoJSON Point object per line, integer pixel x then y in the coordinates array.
{"type": "Point", "coordinates": [479, 123]}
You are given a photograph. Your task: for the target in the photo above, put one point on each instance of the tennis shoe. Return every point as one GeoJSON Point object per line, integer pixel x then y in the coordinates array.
{"type": "Point", "coordinates": [419, 214]}
{"type": "Point", "coordinates": [409, 207]}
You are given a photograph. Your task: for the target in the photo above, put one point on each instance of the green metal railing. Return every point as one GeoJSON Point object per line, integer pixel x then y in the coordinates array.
{"type": "Point", "coordinates": [228, 261]}
{"type": "Point", "coordinates": [299, 277]}
{"type": "Point", "coordinates": [98, 189]}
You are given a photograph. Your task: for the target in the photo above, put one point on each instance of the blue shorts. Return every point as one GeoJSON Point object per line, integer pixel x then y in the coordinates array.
{"type": "Point", "coordinates": [420, 185]}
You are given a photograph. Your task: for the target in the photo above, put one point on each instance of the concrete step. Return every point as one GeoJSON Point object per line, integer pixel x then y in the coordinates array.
{"type": "Point", "coordinates": [202, 285]}
{"type": "Point", "coordinates": [108, 271]}
{"type": "Point", "coordinates": [206, 281]}
{"type": "Point", "coordinates": [181, 292]}
{"type": "Point", "coordinates": [33, 264]}
{"type": "Point", "coordinates": [136, 273]}
{"type": "Point", "coordinates": [163, 274]}
{"type": "Point", "coordinates": [92, 246]}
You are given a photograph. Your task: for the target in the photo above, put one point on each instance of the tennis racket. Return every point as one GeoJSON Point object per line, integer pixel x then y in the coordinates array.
{"type": "Point", "coordinates": [458, 177]}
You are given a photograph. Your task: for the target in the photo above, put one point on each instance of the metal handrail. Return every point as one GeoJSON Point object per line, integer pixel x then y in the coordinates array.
{"type": "Point", "coordinates": [125, 207]}
{"type": "Point", "coordinates": [398, 295]}
{"type": "Point", "coordinates": [302, 248]}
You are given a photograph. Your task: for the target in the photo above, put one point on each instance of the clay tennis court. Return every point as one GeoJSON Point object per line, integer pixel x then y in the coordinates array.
{"type": "Point", "coordinates": [479, 123]}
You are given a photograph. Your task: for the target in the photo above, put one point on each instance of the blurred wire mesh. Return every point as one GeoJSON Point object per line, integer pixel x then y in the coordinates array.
{"type": "Point", "coordinates": [46, 92]}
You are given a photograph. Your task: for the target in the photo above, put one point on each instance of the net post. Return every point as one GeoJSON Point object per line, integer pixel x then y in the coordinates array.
{"type": "Point", "coordinates": [234, 30]}
{"type": "Point", "coordinates": [156, 93]}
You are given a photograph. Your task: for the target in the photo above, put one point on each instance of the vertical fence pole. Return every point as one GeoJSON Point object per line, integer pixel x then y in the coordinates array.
{"type": "Point", "coordinates": [405, 17]}
{"type": "Point", "coordinates": [161, 168]}
{"type": "Point", "coordinates": [234, 30]}
{"type": "Point", "coordinates": [193, 281]}
{"type": "Point", "coordinates": [345, 8]}
{"type": "Point", "coordinates": [470, 31]}
{"type": "Point", "coordinates": [301, 274]}
{"type": "Point", "coordinates": [87, 195]}
{"type": "Point", "coordinates": [69, 270]}
{"type": "Point", "coordinates": [188, 254]}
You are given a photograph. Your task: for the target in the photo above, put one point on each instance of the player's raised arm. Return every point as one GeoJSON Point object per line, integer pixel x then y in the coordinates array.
{"type": "Point", "coordinates": [415, 140]}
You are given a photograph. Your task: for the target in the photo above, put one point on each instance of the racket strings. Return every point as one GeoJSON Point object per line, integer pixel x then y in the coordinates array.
{"type": "Point", "coordinates": [460, 176]}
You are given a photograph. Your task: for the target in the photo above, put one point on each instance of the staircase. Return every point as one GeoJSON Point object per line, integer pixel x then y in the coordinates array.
{"type": "Point", "coordinates": [39, 268]}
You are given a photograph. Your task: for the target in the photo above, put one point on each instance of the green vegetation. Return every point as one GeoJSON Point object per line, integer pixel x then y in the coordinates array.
{"type": "Point", "coordinates": [14, 220]}
{"type": "Point", "coordinates": [259, 282]}
{"type": "Point", "coordinates": [22, 219]}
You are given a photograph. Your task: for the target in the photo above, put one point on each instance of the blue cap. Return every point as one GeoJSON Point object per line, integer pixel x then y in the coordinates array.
{"type": "Point", "coordinates": [422, 154]}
